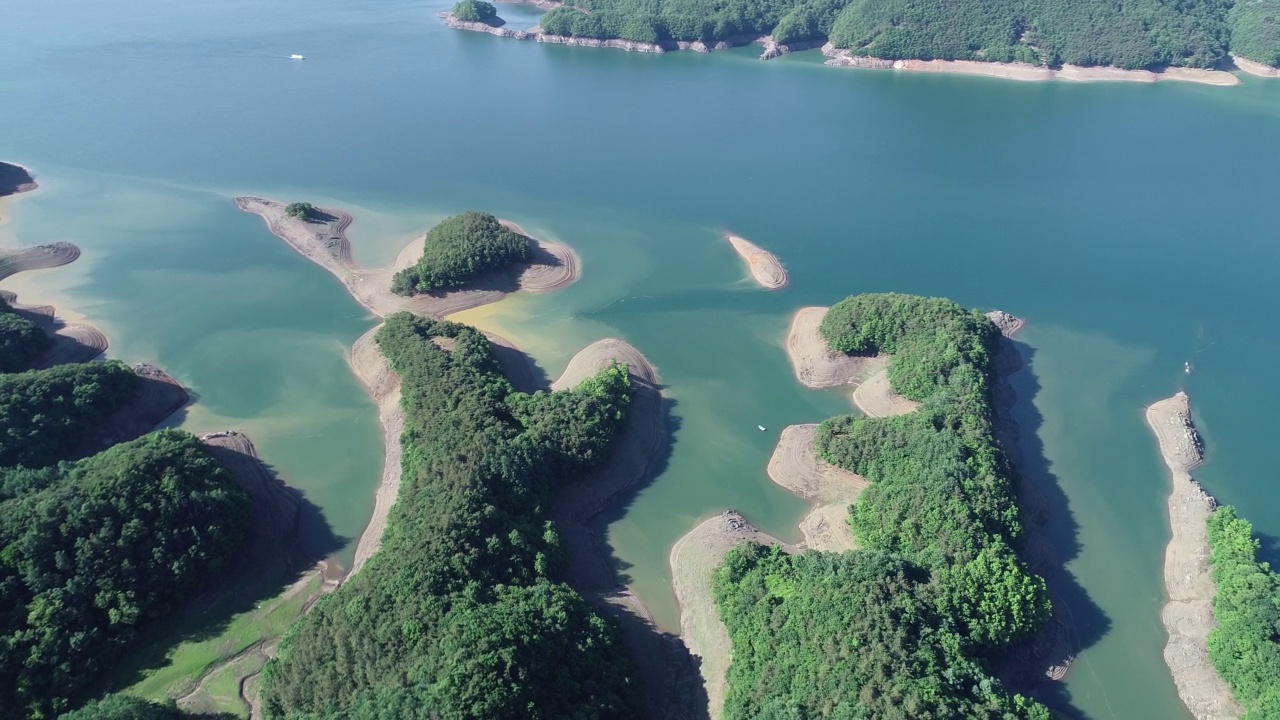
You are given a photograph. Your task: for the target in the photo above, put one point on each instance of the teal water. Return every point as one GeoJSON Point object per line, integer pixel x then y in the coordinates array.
{"type": "Point", "coordinates": [1134, 226]}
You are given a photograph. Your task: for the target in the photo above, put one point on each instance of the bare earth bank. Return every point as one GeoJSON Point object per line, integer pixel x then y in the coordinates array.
{"type": "Point", "coordinates": [1188, 616]}
{"type": "Point", "coordinates": [765, 267]}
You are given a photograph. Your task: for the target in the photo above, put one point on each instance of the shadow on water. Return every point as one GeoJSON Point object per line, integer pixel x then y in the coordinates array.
{"type": "Point", "coordinates": [290, 536]}
{"type": "Point", "coordinates": [1087, 623]}
{"type": "Point", "coordinates": [1269, 550]}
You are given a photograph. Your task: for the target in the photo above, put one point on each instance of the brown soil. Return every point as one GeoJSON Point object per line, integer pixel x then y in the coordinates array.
{"type": "Point", "coordinates": [765, 268]}
{"type": "Point", "coordinates": [1255, 68]}
{"type": "Point", "coordinates": [816, 365]}
{"type": "Point", "coordinates": [795, 465]}
{"type": "Point", "coordinates": [324, 242]}
{"type": "Point", "coordinates": [1188, 616]}
{"type": "Point", "coordinates": [74, 343]}
{"type": "Point", "coordinates": [875, 398]}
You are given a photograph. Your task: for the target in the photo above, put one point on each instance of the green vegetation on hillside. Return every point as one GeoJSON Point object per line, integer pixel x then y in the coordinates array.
{"type": "Point", "coordinates": [1255, 30]}
{"type": "Point", "coordinates": [1124, 33]}
{"type": "Point", "coordinates": [457, 615]}
{"type": "Point", "coordinates": [901, 627]}
{"type": "Point", "coordinates": [1245, 647]}
{"type": "Point", "coordinates": [299, 210]}
{"type": "Point", "coordinates": [127, 707]}
{"type": "Point", "coordinates": [458, 250]}
{"type": "Point", "coordinates": [20, 340]}
{"type": "Point", "coordinates": [99, 548]}
{"type": "Point", "coordinates": [45, 414]}
{"type": "Point", "coordinates": [475, 11]}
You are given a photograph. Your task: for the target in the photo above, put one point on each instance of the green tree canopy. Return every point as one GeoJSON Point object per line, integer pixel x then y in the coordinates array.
{"type": "Point", "coordinates": [299, 210]}
{"type": "Point", "coordinates": [45, 414]}
{"type": "Point", "coordinates": [458, 250]}
{"type": "Point", "coordinates": [20, 340]}
{"type": "Point", "coordinates": [475, 11]}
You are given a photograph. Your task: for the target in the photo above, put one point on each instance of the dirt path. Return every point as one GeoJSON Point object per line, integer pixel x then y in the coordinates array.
{"type": "Point", "coordinates": [1188, 616]}
{"type": "Point", "coordinates": [324, 242]}
{"type": "Point", "coordinates": [816, 365]}
{"type": "Point", "coordinates": [765, 267]}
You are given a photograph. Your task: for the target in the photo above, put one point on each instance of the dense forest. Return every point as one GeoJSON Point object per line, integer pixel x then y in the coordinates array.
{"type": "Point", "coordinates": [45, 414]}
{"type": "Point", "coordinates": [458, 250]}
{"type": "Point", "coordinates": [901, 627]}
{"type": "Point", "coordinates": [1245, 647]}
{"type": "Point", "coordinates": [93, 550]}
{"type": "Point", "coordinates": [459, 615]}
{"type": "Point", "coordinates": [125, 707]}
{"type": "Point", "coordinates": [20, 340]}
{"type": "Point", "coordinates": [1124, 33]}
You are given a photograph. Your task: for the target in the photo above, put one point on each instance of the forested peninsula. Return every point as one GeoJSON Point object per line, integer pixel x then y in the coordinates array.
{"type": "Point", "coordinates": [1129, 34]}
{"type": "Point", "coordinates": [910, 624]}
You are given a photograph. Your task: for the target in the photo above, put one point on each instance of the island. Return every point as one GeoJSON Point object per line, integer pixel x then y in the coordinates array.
{"type": "Point", "coordinates": [764, 266]}
{"type": "Point", "coordinates": [1016, 39]}
{"type": "Point", "coordinates": [1223, 604]}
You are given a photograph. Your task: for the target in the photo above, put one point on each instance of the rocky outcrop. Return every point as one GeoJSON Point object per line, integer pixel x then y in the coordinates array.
{"type": "Point", "coordinates": [493, 29]}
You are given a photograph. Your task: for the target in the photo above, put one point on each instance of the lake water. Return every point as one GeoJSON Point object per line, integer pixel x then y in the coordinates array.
{"type": "Point", "coordinates": [1135, 226]}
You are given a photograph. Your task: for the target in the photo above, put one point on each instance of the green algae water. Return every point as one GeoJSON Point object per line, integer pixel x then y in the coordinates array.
{"type": "Point", "coordinates": [1135, 227]}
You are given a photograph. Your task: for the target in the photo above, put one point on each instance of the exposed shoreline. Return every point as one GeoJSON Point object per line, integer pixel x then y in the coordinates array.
{"type": "Point", "coordinates": [1025, 72]}
{"type": "Point", "coordinates": [795, 466]}
{"type": "Point", "coordinates": [325, 243]}
{"type": "Point", "coordinates": [383, 385]}
{"type": "Point", "coordinates": [16, 179]}
{"type": "Point", "coordinates": [817, 366]}
{"type": "Point", "coordinates": [1188, 614]}
{"type": "Point", "coordinates": [765, 267]}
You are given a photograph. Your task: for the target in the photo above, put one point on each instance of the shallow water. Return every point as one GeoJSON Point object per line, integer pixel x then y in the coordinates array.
{"type": "Point", "coordinates": [1134, 226]}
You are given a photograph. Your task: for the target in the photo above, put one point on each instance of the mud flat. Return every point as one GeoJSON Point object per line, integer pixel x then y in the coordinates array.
{"type": "Point", "coordinates": [16, 179]}
{"type": "Point", "coordinates": [818, 366]}
{"type": "Point", "coordinates": [765, 267]}
{"type": "Point", "coordinates": [795, 465]}
{"type": "Point", "coordinates": [694, 560]}
{"type": "Point", "coordinates": [1188, 616]}
{"type": "Point", "coordinates": [324, 241]}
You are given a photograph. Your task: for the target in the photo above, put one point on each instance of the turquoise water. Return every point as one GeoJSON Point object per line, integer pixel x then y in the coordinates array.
{"type": "Point", "coordinates": [1134, 226]}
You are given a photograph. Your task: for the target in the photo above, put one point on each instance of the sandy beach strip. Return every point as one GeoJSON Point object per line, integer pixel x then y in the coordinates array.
{"type": "Point", "coordinates": [694, 561]}
{"type": "Point", "coordinates": [371, 366]}
{"type": "Point", "coordinates": [875, 398]}
{"type": "Point", "coordinates": [325, 243]}
{"type": "Point", "coordinates": [818, 366]}
{"type": "Point", "coordinates": [1255, 68]}
{"type": "Point", "coordinates": [15, 179]}
{"type": "Point", "coordinates": [1188, 615]}
{"type": "Point", "coordinates": [795, 465]}
{"type": "Point", "coordinates": [38, 257]}
{"type": "Point", "coordinates": [1027, 72]}
{"type": "Point", "coordinates": [765, 267]}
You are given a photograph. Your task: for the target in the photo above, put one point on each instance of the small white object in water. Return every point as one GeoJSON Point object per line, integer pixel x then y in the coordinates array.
{"type": "Point", "coordinates": [761, 428]}
{"type": "Point", "coordinates": [1188, 368]}
{"type": "Point", "coordinates": [296, 56]}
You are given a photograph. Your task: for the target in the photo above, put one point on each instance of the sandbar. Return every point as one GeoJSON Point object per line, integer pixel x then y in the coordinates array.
{"type": "Point", "coordinates": [324, 241]}
{"type": "Point", "coordinates": [694, 561]}
{"type": "Point", "coordinates": [1254, 67]}
{"type": "Point", "coordinates": [1188, 616]}
{"type": "Point", "coordinates": [818, 366]}
{"type": "Point", "coordinates": [765, 267]}
{"type": "Point", "coordinates": [38, 257]}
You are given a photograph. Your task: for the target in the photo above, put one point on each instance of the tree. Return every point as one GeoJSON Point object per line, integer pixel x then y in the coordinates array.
{"type": "Point", "coordinates": [475, 11]}
{"type": "Point", "coordinates": [300, 210]}
{"type": "Point", "coordinates": [460, 249]}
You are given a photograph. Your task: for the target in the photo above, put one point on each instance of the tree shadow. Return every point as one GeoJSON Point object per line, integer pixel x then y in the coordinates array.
{"type": "Point", "coordinates": [1269, 549]}
{"type": "Point", "coordinates": [1051, 541]}
{"type": "Point", "coordinates": [272, 574]}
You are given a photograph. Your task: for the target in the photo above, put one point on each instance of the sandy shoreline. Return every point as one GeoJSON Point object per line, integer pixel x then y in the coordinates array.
{"type": "Point", "coordinates": [765, 267]}
{"type": "Point", "coordinates": [1188, 615]}
{"type": "Point", "coordinates": [552, 267]}
{"type": "Point", "coordinates": [817, 366]}
{"type": "Point", "coordinates": [373, 370]}
{"type": "Point", "coordinates": [795, 465]}
{"type": "Point", "coordinates": [694, 560]}
{"type": "Point", "coordinates": [1255, 68]}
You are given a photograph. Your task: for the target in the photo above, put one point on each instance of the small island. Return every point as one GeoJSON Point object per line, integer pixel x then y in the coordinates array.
{"type": "Point", "coordinates": [458, 251]}
{"type": "Point", "coordinates": [15, 179]}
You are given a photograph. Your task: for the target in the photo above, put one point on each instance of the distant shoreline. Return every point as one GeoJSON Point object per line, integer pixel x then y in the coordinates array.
{"type": "Point", "coordinates": [843, 58]}
{"type": "Point", "coordinates": [16, 179]}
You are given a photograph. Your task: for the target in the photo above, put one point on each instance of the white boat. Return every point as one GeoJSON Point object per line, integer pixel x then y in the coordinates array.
{"type": "Point", "coordinates": [296, 56]}
{"type": "Point", "coordinates": [761, 428]}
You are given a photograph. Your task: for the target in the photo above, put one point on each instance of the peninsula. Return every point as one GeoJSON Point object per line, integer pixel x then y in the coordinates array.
{"type": "Point", "coordinates": [15, 179]}
{"type": "Point", "coordinates": [1015, 39]}
{"type": "Point", "coordinates": [1188, 615]}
